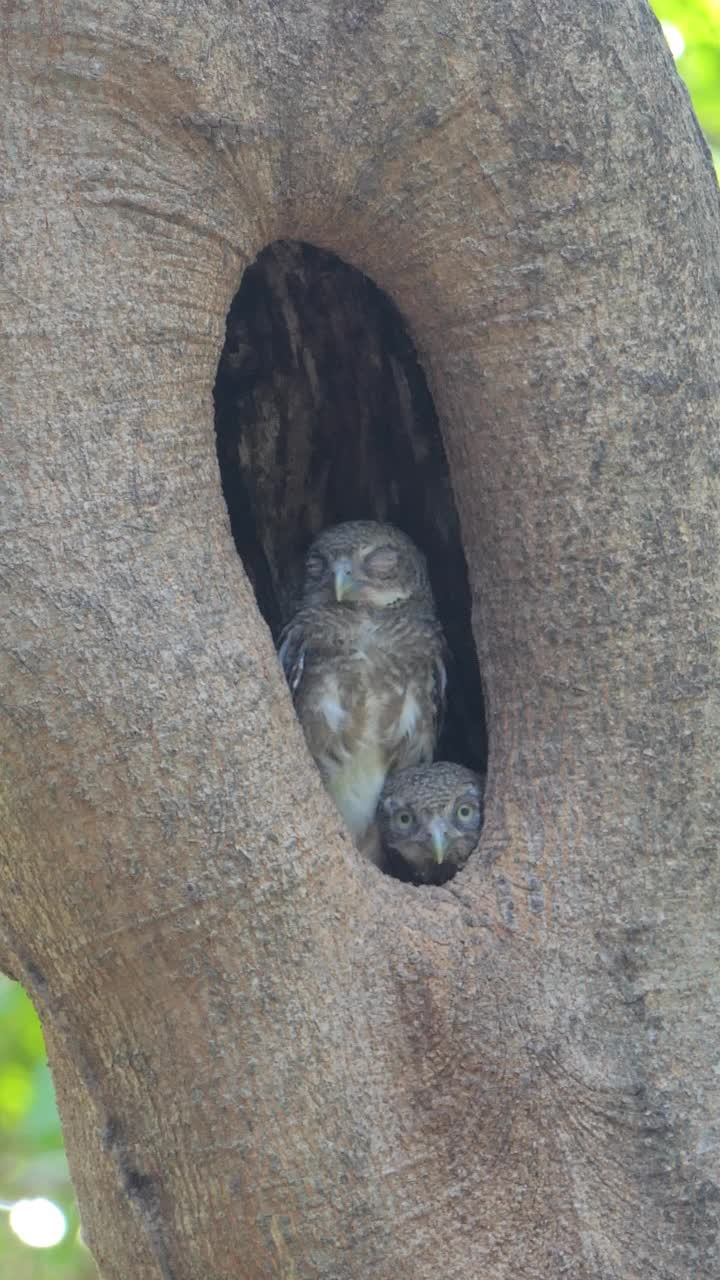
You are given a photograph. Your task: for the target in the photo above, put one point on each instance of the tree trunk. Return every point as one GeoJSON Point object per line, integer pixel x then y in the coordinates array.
{"type": "Point", "coordinates": [270, 1060]}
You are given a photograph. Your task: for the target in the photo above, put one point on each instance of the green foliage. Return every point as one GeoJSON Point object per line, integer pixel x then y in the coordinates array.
{"type": "Point", "coordinates": [698, 22]}
{"type": "Point", "coordinates": [32, 1161]}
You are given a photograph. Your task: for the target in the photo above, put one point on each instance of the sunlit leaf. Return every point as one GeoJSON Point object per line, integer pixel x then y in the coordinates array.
{"type": "Point", "coordinates": [698, 22]}
{"type": "Point", "coordinates": [16, 1092]}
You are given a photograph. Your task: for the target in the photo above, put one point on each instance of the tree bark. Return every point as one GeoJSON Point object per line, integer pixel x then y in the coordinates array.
{"type": "Point", "coordinates": [270, 1060]}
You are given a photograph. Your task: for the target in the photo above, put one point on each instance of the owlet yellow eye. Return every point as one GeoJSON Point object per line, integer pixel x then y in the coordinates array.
{"type": "Point", "coordinates": [466, 812]}
{"type": "Point", "coordinates": [404, 818]}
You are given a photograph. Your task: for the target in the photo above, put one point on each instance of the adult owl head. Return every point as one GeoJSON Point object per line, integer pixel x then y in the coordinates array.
{"type": "Point", "coordinates": [365, 564]}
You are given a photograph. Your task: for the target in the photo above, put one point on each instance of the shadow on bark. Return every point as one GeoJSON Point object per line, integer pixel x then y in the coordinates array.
{"type": "Point", "coordinates": [323, 414]}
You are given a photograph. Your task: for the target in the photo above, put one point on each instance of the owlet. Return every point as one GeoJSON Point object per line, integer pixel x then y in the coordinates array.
{"type": "Point", "coordinates": [431, 818]}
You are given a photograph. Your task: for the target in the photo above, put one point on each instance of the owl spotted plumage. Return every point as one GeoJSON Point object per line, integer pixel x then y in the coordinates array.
{"type": "Point", "coordinates": [364, 660]}
{"type": "Point", "coordinates": [430, 818]}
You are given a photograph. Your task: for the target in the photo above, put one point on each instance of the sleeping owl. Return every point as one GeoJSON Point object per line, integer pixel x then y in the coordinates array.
{"type": "Point", "coordinates": [430, 818]}
{"type": "Point", "coordinates": [363, 657]}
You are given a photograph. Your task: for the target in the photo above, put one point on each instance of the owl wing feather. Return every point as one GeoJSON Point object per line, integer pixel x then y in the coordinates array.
{"type": "Point", "coordinates": [416, 746]}
{"type": "Point", "coordinates": [291, 652]}
{"type": "Point", "coordinates": [438, 695]}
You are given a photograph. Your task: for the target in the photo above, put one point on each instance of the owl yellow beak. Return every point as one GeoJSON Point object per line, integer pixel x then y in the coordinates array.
{"type": "Point", "coordinates": [438, 836]}
{"type": "Point", "coordinates": [344, 581]}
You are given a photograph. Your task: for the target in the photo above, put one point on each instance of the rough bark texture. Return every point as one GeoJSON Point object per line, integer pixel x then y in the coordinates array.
{"type": "Point", "coordinates": [270, 1060]}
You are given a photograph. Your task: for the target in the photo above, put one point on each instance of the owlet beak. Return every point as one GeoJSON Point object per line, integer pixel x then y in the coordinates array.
{"type": "Point", "coordinates": [344, 581]}
{"type": "Point", "coordinates": [438, 836]}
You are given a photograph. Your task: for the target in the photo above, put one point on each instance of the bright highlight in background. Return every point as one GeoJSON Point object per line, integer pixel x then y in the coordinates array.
{"type": "Point", "coordinates": [39, 1222]}
{"type": "Point", "coordinates": [674, 38]}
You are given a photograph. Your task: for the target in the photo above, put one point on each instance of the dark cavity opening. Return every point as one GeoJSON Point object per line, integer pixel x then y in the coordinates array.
{"type": "Point", "coordinates": [323, 414]}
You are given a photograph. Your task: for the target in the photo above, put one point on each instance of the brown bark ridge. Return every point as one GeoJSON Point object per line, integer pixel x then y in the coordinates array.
{"type": "Point", "coordinates": [270, 1060]}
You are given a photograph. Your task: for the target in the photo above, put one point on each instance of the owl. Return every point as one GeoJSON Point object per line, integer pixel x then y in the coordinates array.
{"type": "Point", "coordinates": [363, 657]}
{"type": "Point", "coordinates": [430, 818]}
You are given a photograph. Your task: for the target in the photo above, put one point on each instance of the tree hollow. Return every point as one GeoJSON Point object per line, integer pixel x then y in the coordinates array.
{"type": "Point", "coordinates": [323, 414]}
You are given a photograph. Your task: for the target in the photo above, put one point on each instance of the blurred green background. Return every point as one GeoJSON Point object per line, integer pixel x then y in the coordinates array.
{"type": "Point", "coordinates": [32, 1161]}
{"type": "Point", "coordinates": [692, 29]}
